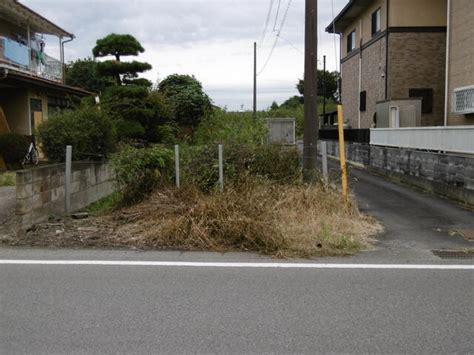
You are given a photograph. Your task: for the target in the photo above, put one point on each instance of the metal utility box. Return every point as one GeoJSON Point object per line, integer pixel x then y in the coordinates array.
{"type": "Point", "coordinates": [281, 130]}
{"type": "Point", "coordinates": [398, 113]}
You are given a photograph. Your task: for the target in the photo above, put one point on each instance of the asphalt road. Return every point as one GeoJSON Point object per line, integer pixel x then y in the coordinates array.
{"type": "Point", "coordinates": [415, 222]}
{"type": "Point", "coordinates": [193, 309]}
{"type": "Point", "coordinates": [141, 309]}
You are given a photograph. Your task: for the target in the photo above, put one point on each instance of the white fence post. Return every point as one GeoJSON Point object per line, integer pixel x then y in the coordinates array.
{"type": "Point", "coordinates": [67, 180]}
{"type": "Point", "coordinates": [221, 167]}
{"type": "Point", "coordinates": [324, 155]}
{"type": "Point", "coordinates": [176, 165]}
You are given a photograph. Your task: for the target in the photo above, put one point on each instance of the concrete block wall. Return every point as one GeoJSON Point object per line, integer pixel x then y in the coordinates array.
{"type": "Point", "coordinates": [40, 190]}
{"type": "Point", "coordinates": [444, 174]}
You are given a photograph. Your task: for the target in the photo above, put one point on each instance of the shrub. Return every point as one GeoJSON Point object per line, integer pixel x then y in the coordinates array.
{"type": "Point", "coordinates": [13, 148]}
{"type": "Point", "coordinates": [230, 128]}
{"type": "Point", "coordinates": [274, 162]}
{"type": "Point", "coordinates": [189, 101]}
{"type": "Point", "coordinates": [87, 129]}
{"type": "Point", "coordinates": [140, 170]}
{"type": "Point", "coordinates": [127, 129]}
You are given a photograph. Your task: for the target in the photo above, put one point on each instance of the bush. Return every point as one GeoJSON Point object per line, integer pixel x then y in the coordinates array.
{"type": "Point", "coordinates": [87, 129]}
{"type": "Point", "coordinates": [127, 129]}
{"type": "Point", "coordinates": [273, 162]}
{"type": "Point", "coordinates": [231, 128]}
{"type": "Point", "coordinates": [13, 148]}
{"type": "Point", "coordinates": [188, 99]}
{"type": "Point", "coordinates": [140, 170]}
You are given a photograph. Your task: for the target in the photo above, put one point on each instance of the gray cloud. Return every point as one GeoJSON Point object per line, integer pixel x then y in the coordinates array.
{"type": "Point", "coordinates": [168, 28]}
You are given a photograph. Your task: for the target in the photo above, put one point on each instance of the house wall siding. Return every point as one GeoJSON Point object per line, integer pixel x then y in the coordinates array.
{"type": "Point", "coordinates": [461, 68]}
{"type": "Point", "coordinates": [373, 83]}
{"type": "Point", "coordinates": [414, 13]}
{"type": "Point", "coordinates": [16, 108]}
{"type": "Point", "coordinates": [366, 18]}
{"type": "Point", "coordinates": [373, 80]}
{"type": "Point", "coordinates": [418, 60]}
{"type": "Point", "coordinates": [350, 90]}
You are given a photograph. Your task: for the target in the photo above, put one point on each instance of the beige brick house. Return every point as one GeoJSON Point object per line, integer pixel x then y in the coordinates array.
{"type": "Point", "coordinates": [395, 51]}
{"type": "Point", "coordinates": [460, 73]}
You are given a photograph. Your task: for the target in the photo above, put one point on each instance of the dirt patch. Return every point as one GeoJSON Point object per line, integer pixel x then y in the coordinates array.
{"type": "Point", "coordinates": [279, 220]}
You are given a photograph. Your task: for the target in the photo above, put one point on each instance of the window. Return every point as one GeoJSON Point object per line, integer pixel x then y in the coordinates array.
{"type": "Point", "coordinates": [426, 96]}
{"type": "Point", "coordinates": [363, 101]}
{"type": "Point", "coordinates": [56, 104]}
{"type": "Point", "coordinates": [376, 22]}
{"type": "Point", "coordinates": [351, 41]}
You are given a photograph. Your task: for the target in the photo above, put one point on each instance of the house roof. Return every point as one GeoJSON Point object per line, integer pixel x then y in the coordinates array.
{"type": "Point", "coordinates": [18, 79]}
{"type": "Point", "coordinates": [348, 15]}
{"type": "Point", "coordinates": [15, 12]}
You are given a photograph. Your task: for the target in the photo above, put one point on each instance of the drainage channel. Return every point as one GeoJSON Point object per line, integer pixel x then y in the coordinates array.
{"type": "Point", "coordinates": [454, 254]}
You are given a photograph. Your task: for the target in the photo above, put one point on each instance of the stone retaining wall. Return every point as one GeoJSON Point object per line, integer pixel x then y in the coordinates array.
{"type": "Point", "coordinates": [444, 174]}
{"type": "Point", "coordinates": [40, 190]}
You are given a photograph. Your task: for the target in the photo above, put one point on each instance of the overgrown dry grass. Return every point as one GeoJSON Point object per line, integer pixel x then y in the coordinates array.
{"type": "Point", "coordinates": [258, 216]}
{"type": "Point", "coordinates": [280, 220]}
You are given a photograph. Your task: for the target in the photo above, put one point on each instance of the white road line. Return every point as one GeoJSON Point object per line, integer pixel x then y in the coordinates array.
{"type": "Point", "coordinates": [262, 265]}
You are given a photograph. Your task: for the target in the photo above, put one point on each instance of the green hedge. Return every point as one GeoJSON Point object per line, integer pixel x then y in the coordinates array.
{"type": "Point", "coordinates": [140, 170]}
{"type": "Point", "coordinates": [87, 129]}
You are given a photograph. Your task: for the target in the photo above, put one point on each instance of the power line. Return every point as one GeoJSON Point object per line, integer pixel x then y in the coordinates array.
{"type": "Point", "coordinates": [267, 21]}
{"type": "Point", "coordinates": [269, 56]}
{"type": "Point", "coordinates": [276, 17]}
{"type": "Point", "coordinates": [278, 35]}
{"type": "Point", "coordinates": [291, 44]}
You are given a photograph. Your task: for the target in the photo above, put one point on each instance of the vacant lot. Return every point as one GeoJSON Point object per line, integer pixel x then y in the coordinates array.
{"type": "Point", "coordinates": [273, 219]}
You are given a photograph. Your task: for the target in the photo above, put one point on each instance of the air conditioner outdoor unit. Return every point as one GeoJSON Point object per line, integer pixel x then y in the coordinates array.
{"type": "Point", "coordinates": [463, 100]}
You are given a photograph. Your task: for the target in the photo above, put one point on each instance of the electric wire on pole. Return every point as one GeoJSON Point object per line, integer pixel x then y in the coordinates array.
{"type": "Point", "coordinates": [276, 38]}
{"type": "Point", "coordinates": [276, 17]}
{"type": "Point", "coordinates": [267, 21]}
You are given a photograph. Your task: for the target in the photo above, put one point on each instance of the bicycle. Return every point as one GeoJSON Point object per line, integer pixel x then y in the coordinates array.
{"type": "Point", "coordinates": [32, 156]}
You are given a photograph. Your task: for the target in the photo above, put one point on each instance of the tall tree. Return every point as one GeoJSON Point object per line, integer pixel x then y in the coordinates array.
{"type": "Point", "coordinates": [83, 73]}
{"type": "Point", "coordinates": [139, 113]}
{"type": "Point", "coordinates": [328, 89]}
{"type": "Point", "coordinates": [118, 45]}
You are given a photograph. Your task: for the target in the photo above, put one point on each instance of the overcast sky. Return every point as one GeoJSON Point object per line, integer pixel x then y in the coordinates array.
{"type": "Point", "coordinates": [211, 39]}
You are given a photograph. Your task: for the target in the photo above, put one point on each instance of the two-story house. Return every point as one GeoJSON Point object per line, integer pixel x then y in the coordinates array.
{"type": "Point", "coordinates": [394, 56]}
{"type": "Point", "coordinates": [460, 63]}
{"type": "Point", "coordinates": [32, 83]}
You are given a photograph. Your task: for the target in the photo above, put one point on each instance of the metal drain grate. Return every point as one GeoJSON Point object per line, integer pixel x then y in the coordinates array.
{"type": "Point", "coordinates": [454, 254]}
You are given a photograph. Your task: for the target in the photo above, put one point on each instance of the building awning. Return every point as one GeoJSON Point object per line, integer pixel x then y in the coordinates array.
{"type": "Point", "coordinates": [348, 15]}
{"type": "Point", "coordinates": [14, 12]}
{"type": "Point", "coordinates": [12, 78]}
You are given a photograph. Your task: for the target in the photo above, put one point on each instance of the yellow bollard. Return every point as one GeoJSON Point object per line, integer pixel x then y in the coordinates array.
{"type": "Point", "coordinates": [342, 153]}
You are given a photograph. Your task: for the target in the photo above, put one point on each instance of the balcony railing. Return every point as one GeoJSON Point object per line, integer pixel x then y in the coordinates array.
{"type": "Point", "coordinates": [19, 56]}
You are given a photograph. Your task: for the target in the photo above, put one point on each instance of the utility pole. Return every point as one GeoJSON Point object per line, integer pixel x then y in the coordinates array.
{"type": "Point", "coordinates": [311, 124]}
{"type": "Point", "coordinates": [324, 90]}
{"type": "Point", "coordinates": [255, 79]}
